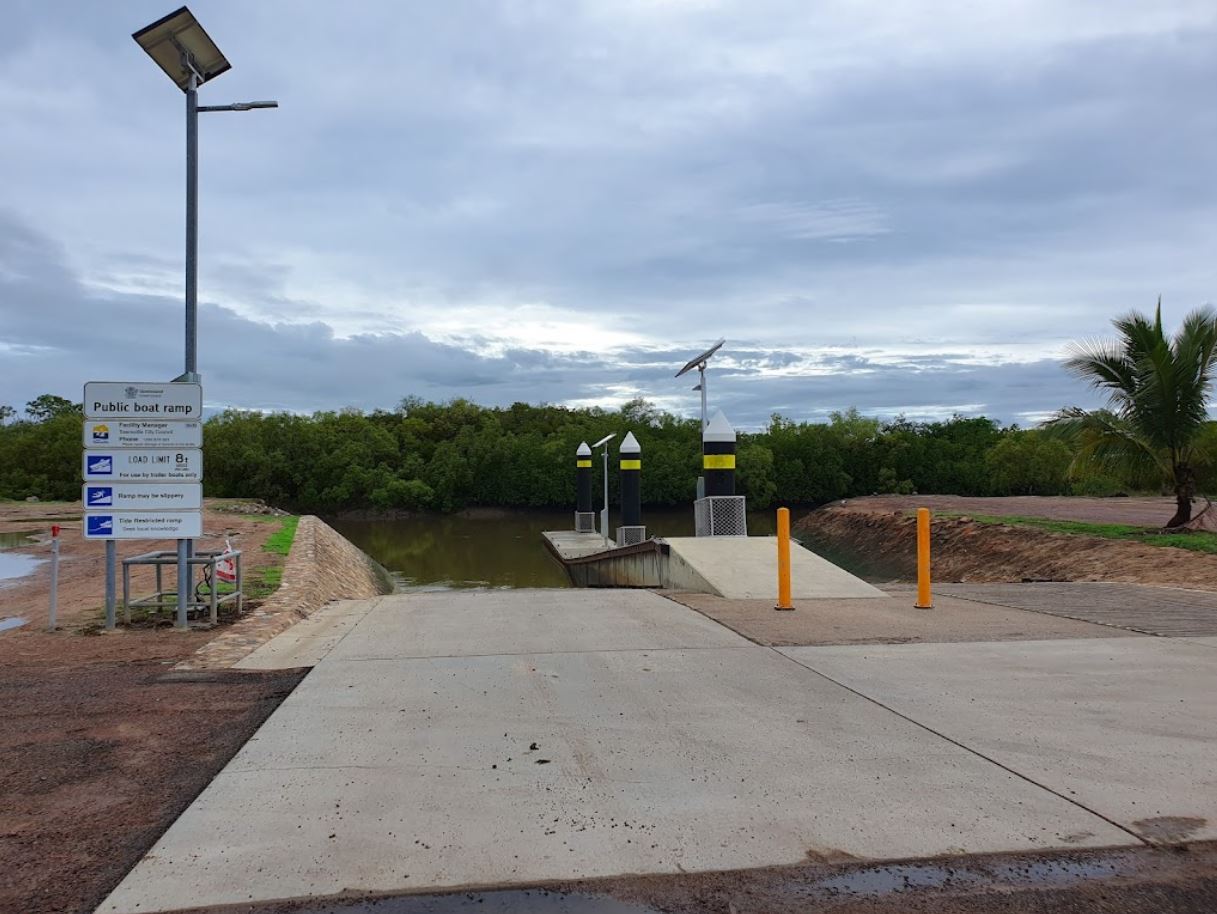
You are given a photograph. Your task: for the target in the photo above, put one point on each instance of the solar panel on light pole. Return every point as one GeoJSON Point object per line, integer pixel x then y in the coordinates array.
{"type": "Point", "coordinates": [699, 362]}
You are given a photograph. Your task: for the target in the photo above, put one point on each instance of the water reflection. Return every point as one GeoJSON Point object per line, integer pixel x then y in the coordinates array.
{"type": "Point", "coordinates": [15, 539]}
{"type": "Point", "coordinates": [491, 549]}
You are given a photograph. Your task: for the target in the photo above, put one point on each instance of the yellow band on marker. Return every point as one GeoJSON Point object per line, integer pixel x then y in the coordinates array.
{"type": "Point", "coordinates": [718, 462]}
{"type": "Point", "coordinates": [583, 464]}
{"type": "Point", "coordinates": [631, 464]}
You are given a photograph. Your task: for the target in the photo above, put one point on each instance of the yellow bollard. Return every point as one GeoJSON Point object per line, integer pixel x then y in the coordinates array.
{"type": "Point", "coordinates": [784, 559]}
{"type": "Point", "coordinates": [925, 600]}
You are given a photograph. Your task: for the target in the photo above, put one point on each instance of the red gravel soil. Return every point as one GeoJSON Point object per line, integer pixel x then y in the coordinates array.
{"type": "Point", "coordinates": [101, 748]}
{"type": "Point", "coordinates": [82, 562]}
{"type": "Point", "coordinates": [1138, 511]}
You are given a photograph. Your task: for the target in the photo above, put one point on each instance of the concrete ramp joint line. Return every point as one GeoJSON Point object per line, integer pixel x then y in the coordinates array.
{"type": "Point", "coordinates": [746, 568]}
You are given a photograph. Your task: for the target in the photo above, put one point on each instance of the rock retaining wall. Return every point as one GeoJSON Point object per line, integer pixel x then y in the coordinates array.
{"type": "Point", "coordinates": [322, 566]}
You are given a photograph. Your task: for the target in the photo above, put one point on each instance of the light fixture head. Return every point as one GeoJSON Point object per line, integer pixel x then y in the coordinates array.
{"type": "Point", "coordinates": [605, 440]}
{"type": "Point", "coordinates": [698, 360]}
{"type": "Point", "coordinates": [179, 45]}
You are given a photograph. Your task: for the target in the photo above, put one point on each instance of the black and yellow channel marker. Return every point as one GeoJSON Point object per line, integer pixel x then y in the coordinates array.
{"type": "Point", "coordinates": [718, 456]}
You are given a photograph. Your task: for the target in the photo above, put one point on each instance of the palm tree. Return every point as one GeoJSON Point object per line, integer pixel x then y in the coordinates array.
{"type": "Point", "coordinates": [1158, 391]}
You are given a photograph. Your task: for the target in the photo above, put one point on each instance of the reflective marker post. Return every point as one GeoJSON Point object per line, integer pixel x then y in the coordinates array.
{"type": "Point", "coordinates": [784, 560]}
{"type": "Point", "coordinates": [53, 611]}
{"type": "Point", "coordinates": [925, 599]}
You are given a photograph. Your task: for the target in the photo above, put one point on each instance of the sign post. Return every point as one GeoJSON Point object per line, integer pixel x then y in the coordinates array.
{"type": "Point", "coordinates": [143, 471]}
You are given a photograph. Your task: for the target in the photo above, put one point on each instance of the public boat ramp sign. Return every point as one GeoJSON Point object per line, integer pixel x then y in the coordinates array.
{"type": "Point", "coordinates": [143, 460]}
{"type": "Point", "coordinates": [139, 400]}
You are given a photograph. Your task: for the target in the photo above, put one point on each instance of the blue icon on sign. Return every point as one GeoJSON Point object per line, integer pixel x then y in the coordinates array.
{"type": "Point", "coordinates": [100, 497]}
{"type": "Point", "coordinates": [100, 525]}
{"type": "Point", "coordinates": [99, 465]}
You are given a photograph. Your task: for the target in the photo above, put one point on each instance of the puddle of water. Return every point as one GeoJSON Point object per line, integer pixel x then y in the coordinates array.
{"type": "Point", "coordinates": [13, 540]}
{"type": "Point", "coordinates": [874, 881]}
{"type": "Point", "coordinates": [15, 622]}
{"type": "Point", "coordinates": [15, 565]}
{"type": "Point", "coordinates": [503, 902]}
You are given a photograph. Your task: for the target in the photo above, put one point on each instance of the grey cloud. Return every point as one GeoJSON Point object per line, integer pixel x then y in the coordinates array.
{"type": "Point", "coordinates": [57, 334]}
{"type": "Point", "coordinates": [790, 179]}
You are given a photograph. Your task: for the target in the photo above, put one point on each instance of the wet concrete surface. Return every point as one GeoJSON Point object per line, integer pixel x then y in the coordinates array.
{"type": "Point", "coordinates": [1120, 881]}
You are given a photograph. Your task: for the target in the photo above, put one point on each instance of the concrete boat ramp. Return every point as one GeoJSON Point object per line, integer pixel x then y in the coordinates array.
{"type": "Point", "coordinates": [507, 738]}
{"type": "Point", "coordinates": [739, 567]}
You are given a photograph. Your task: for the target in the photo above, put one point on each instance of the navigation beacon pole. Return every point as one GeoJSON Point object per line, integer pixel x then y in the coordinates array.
{"type": "Point", "coordinates": [630, 530]}
{"type": "Point", "coordinates": [718, 456]}
{"type": "Point", "coordinates": [720, 512]}
{"type": "Point", "coordinates": [585, 514]}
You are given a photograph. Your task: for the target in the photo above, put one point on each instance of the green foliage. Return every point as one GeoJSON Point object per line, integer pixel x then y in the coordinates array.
{"type": "Point", "coordinates": [48, 406]}
{"type": "Point", "coordinates": [41, 458]}
{"type": "Point", "coordinates": [1029, 463]}
{"type": "Point", "coordinates": [1158, 390]}
{"type": "Point", "coordinates": [280, 542]}
{"type": "Point", "coordinates": [444, 457]}
{"type": "Point", "coordinates": [1196, 542]}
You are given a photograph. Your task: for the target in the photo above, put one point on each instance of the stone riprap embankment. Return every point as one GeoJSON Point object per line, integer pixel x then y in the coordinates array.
{"type": "Point", "coordinates": [322, 566]}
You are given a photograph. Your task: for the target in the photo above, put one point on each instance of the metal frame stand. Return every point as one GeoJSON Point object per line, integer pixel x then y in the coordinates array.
{"type": "Point", "coordinates": [184, 596]}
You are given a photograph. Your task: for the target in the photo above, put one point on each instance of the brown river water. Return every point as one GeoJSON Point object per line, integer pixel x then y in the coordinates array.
{"type": "Point", "coordinates": [491, 549]}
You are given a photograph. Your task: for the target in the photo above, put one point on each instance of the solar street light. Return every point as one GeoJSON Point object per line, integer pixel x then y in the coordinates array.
{"type": "Point", "coordinates": [604, 511]}
{"type": "Point", "coordinates": [181, 47]}
{"type": "Point", "coordinates": [699, 362]}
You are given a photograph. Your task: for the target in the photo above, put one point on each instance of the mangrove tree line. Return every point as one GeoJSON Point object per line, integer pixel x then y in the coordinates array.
{"type": "Point", "coordinates": [447, 456]}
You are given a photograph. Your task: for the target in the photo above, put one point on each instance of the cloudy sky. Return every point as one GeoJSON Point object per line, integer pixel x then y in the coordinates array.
{"type": "Point", "coordinates": [908, 206]}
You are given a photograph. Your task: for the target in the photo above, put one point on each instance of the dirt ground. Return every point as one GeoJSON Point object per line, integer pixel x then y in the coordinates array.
{"type": "Point", "coordinates": [82, 562]}
{"type": "Point", "coordinates": [101, 747]}
{"type": "Point", "coordinates": [1119, 881]}
{"type": "Point", "coordinates": [877, 538]}
{"type": "Point", "coordinates": [1148, 512]}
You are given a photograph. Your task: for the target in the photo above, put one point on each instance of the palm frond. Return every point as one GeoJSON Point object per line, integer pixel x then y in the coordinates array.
{"type": "Point", "coordinates": [1104, 439]}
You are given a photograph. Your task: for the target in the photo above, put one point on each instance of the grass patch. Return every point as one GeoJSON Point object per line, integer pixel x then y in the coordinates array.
{"type": "Point", "coordinates": [1195, 542]}
{"type": "Point", "coordinates": [280, 542]}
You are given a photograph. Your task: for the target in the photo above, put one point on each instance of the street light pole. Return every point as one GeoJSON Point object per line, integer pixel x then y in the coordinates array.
{"type": "Point", "coordinates": [701, 374]}
{"type": "Point", "coordinates": [192, 227]}
{"type": "Point", "coordinates": [604, 512]}
{"type": "Point", "coordinates": [181, 47]}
